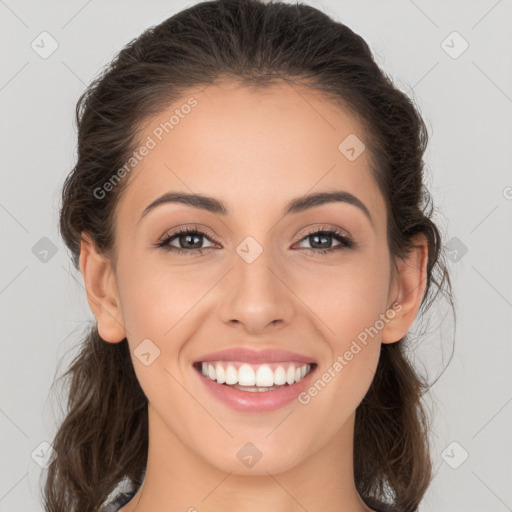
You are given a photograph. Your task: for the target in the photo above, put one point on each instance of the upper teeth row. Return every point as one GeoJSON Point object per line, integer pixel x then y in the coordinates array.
{"type": "Point", "coordinates": [246, 376]}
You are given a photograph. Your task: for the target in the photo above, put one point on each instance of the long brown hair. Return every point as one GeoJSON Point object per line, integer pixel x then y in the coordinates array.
{"type": "Point", "coordinates": [103, 438]}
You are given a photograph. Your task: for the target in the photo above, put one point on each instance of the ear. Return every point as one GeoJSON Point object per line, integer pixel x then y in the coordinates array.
{"type": "Point", "coordinates": [407, 290]}
{"type": "Point", "coordinates": [101, 291]}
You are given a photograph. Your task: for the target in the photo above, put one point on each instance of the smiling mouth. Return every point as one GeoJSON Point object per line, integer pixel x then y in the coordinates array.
{"type": "Point", "coordinates": [265, 378]}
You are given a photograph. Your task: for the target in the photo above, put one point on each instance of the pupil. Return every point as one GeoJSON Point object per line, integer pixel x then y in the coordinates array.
{"type": "Point", "coordinates": [187, 237]}
{"type": "Point", "coordinates": [324, 239]}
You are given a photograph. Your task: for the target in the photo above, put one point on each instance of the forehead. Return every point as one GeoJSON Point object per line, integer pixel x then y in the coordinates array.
{"type": "Point", "coordinates": [252, 148]}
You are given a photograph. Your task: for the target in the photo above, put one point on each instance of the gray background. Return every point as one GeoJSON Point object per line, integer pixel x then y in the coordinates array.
{"type": "Point", "coordinates": [466, 100]}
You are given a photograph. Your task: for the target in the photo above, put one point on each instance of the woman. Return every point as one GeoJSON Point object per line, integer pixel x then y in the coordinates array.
{"type": "Point", "coordinates": [249, 217]}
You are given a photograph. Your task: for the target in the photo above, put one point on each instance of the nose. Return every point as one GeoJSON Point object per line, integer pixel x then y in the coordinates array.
{"type": "Point", "coordinates": [257, 298]}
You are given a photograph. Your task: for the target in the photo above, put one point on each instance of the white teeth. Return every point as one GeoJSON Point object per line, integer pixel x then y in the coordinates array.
{"type": "Point", "coordinates": [279, 376]}
{"type": "Point", "coordinates": [264, 377]}
{"type": "Point", "coordinates": [255, 375]}
{"type": "Point", "coordinates": [290, 375]}
{"type": "Point", "coordinates": [220, 374]}
{"type": "Point", "coordinates": [231, 375]}
{"type": "Point", "coordinates": [246, 376]}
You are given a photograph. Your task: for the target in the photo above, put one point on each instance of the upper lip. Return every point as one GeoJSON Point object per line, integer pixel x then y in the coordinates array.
{"type": "Point", "coordinates": [268, 355]}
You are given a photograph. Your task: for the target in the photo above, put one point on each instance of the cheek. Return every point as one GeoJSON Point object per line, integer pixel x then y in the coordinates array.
{"type": "Point", "coordinates": [156, 304]}
{"type": "Point", "coordinates": [347, 298]}
{"type": "Point", "coordinates": [350, 302]}
{"type": "Point", "coordinates": [156, 297]}
{"type": "Point", "coordinates": [350, 311]}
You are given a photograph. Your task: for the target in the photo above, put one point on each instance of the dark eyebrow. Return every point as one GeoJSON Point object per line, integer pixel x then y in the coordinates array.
{"type": "Point", "coordinates": [209, 204]}
{"type": "Point", "coordinates": [303, 203]}
{"type": "Point", "coordinates": [297, 205]}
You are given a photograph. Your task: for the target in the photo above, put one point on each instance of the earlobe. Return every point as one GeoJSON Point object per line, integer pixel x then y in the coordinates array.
{"type": "Point", "coordinates": [411, 281]}
{"type": "Point", "coordinates": [102, 296]}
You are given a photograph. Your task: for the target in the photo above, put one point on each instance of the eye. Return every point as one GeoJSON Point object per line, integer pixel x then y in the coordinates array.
{"type": "Point", "coordinates": [187, 237]}
{"type": "Point", "coordinates": [321, 238]}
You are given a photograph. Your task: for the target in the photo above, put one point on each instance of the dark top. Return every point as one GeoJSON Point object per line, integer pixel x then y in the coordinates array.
{"type": "Point", "coordinates": [124, 497]}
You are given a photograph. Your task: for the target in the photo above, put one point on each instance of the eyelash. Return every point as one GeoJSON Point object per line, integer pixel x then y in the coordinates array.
{"type": "Point", "coordinates": [346, 243]}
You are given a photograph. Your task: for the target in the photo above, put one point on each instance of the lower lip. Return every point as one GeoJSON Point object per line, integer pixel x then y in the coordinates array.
{"type": "Point", "coordinates": [256, 401]}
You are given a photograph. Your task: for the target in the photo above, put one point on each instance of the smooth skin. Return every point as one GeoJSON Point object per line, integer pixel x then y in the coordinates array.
{"type": "Point", "coordinates": [254, 150]}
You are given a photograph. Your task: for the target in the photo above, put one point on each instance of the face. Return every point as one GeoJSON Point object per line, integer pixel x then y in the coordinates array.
{"type": "Point", "coordinates": [253, 276]}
